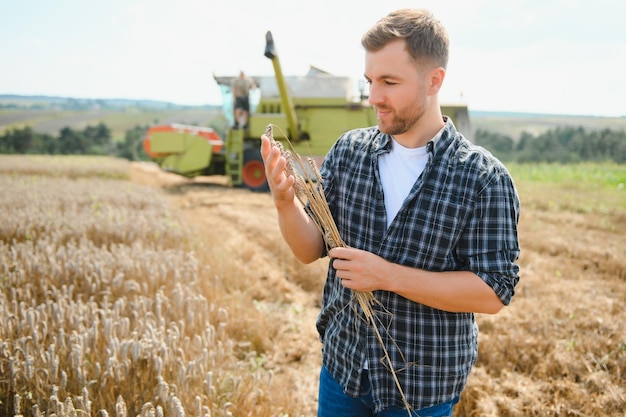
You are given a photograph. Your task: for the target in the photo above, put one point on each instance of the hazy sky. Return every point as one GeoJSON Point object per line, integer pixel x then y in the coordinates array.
{"type": "Point", "coordinates": [548, 56]}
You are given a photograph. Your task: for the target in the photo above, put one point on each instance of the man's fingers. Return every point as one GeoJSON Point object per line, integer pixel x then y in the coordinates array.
{"type": "Point", "coordinates": [339, 253]}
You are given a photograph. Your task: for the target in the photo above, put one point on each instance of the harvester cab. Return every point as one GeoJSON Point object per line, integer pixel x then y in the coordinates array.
{"type": "Point", "coordinates": [311, 111]}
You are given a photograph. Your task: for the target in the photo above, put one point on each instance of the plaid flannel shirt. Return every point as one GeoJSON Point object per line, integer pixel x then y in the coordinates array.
{"type": "Point", "coordinates": [461, 214]}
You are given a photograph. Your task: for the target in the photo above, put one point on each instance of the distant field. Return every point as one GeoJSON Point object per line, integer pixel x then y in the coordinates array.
{"type": "Point", "coordinates": [51, 121]}
{"type": "Point", "coordinates": [513, 124]}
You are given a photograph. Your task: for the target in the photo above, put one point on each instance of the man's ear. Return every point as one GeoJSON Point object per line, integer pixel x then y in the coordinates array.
{"type": "Point", "coordinates": [436, 77]}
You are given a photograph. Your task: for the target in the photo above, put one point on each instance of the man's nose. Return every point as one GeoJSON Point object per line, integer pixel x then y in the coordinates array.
{"type": "Point", "coordinates": [375, 97]}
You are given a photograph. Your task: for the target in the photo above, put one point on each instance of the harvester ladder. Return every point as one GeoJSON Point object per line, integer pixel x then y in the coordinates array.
{"type": "Point", "coordinates": [234, 157]}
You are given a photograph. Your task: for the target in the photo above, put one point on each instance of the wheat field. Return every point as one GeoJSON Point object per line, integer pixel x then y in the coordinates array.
{"type": "Point", "coordinates": [126, 291]}
{"type": "Point", "coordinates": [105, 307]}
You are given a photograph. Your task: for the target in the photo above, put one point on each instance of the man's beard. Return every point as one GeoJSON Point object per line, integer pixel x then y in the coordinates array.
{"type": "Point", "coordinates": [401, 123]}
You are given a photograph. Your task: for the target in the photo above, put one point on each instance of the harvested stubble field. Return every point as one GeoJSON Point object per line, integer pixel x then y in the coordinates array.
{"type": "Point", "coordinates": [141, 293]}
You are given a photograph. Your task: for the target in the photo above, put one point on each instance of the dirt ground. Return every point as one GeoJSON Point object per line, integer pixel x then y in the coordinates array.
{"type": "Point", "coordinates": [558, 349]}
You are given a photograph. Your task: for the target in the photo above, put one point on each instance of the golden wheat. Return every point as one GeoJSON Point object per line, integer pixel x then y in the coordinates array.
{"type": "Point", "coordinates": [66, 166]}
{"type": "Point", "coordinates": [102, 308]}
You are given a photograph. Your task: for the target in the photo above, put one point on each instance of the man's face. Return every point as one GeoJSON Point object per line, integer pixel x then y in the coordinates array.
{"type": "Point", "coordinates": [398, 90]}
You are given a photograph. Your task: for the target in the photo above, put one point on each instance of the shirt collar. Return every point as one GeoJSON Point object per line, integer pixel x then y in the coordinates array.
{"type": "Point", "coordinates": [443, 138]}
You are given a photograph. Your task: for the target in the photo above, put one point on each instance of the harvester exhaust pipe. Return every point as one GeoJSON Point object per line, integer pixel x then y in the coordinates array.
{"type": "Point", "coordinates": [270, 49]}
{"type": "Point", "coordinates": [287, 103]}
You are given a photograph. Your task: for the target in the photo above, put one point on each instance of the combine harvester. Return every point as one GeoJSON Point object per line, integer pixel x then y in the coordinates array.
{"type": "Point", "coordinates": [312, 110]}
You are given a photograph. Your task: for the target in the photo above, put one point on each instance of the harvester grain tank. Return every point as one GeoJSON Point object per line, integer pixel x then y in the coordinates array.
{"type": "Point", "coordinates": [311, 110]}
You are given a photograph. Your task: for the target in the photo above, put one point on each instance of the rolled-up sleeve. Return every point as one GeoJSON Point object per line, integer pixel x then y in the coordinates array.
{"type": "Point", "coordinates": [491, 238]}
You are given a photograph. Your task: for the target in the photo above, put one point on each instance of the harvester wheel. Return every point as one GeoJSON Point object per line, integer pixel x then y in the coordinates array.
{"type": "Point", "coordinates": [253, 171]}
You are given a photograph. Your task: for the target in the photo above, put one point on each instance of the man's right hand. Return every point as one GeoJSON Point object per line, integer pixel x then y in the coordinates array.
{"type": "Point", "coordinates": [281, 184]}
{"type": "Point", "coordinates": [298, 229]}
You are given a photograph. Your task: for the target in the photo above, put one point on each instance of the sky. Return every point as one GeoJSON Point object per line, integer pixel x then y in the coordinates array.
{"type": "Point", "coordinates": [535, 56]}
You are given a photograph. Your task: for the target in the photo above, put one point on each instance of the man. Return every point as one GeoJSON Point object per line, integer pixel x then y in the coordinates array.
{"type": "Point", "coordinates": [430, 224]}
{"type": "Point", "coordinates": [241, 98]}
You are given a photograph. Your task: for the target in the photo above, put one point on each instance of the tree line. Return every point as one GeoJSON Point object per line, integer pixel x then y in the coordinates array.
{"type": "Point", "coordinates": [92, 140]}
{"type": "Point", "coordinates": [559, 145]}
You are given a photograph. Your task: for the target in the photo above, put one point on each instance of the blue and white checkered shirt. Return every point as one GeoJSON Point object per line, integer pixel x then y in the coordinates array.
{"type": "Point", "coordinates": [461, 215]}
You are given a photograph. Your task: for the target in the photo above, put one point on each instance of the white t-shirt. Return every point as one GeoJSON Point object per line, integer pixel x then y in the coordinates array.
{"type": "Point", "coordinates": [399, 169]}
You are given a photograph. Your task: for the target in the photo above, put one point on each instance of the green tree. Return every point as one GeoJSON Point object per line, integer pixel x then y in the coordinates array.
{"type": "Point", "coordinates": [17, 140]}
{"type": "Point", "coordinates": [72, 142]}
{"type": "Point", "coordinates": [500, 145]}
{"type": "Point", "coordinates": [131, 148]}
{"type": "Point", "coordinates": [98, 139]}
{"type": "Point", "coordinates": [43, 144]}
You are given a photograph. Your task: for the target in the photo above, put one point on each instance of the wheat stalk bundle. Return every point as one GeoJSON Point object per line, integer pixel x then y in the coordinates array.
{"type": "Point", "coordinates": [309, 191]}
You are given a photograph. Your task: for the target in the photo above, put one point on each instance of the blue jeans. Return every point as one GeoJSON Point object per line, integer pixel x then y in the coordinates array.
{"type": "Point", "coordinates": [333, 402]}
